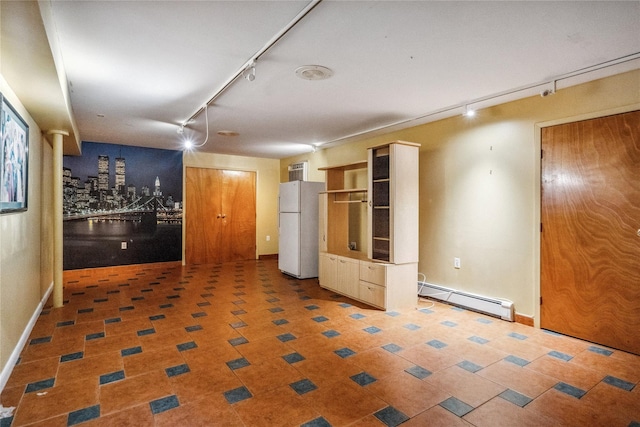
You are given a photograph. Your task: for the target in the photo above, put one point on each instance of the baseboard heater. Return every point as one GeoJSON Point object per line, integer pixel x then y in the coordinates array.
{"type": "Point", "coordinates": [491, 306]}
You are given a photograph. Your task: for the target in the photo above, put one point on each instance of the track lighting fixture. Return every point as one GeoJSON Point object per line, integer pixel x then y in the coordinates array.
{"type": "Point", "coordinates": [188, 143]}
{"type": "Point", "coordinates": [250, 72]}
{"type": "Point", "coordinates": [469, 112]}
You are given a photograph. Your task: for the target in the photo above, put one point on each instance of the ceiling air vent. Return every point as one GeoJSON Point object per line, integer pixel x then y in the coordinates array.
{"type": "Point", "coordinates": [298, 171]}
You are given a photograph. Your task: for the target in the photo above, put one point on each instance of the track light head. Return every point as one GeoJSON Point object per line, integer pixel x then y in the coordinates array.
{"type": "Point", "coordinates": [250, 72]}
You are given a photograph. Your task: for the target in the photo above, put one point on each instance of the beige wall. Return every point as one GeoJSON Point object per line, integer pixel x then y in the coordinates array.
{"type": "Point", "coordinates": [267, 177]}
{"type": "Point", "coordinates": [22, 280]}
{"type": "Point", "coordinates": [480, 183]}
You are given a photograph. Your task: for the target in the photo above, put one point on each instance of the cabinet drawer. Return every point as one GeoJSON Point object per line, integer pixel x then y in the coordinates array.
{"type": "Point", "coordinates": [373, 273]}
{"type": "Point", "coordinates": [372, 294]}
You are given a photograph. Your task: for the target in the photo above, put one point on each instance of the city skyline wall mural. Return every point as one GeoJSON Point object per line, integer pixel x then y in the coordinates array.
{"type": "Point", "coordinates": [121, 205]}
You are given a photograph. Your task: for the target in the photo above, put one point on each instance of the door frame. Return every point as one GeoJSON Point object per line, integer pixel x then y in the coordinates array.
{"type": "Point", "coordinates": [538, 188]}
{"type": "Point", "coordinates": [185, 208]}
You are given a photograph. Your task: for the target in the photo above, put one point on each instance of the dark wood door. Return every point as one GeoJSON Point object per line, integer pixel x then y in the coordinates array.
{"type": "Point", "coordinates": [590, 241]}
{"type": "Point", "coordinates": [220, 216]}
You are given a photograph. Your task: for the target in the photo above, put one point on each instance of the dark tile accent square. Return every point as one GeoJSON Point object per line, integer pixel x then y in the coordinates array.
{"type": "Point", "coordinates": [83, 415]}
{"type": "Point", "coordinates": [204, 304]}
{"type": "Point", "coordinates": [237, 325]}
{"type": "Point", "coordinates": [85, 310]}
{"type": "Point", "coordinates": [280, 322]}
{"type": "Point", "coordinates": [372, 330]}
{"type": "Point", "coordinates": [344, 352]}
{"type": "Point", "coordinates": [239, 302]}
{"type": "Point", "coordinates": [137, 298]}
{"type": "Point", "coordinates": [602, 351]}
{"type": "Point", "coordinates": [293, 358]}
{"type": "Point", "coordinates": [436, 344]}
{"type": "Point", "coordinates": [166, 305]}
{"type": "Point", "coordinates": [173, 296]}
{"type": "Point", "coordinates": [71, 356]}
{"type": "Point", "coordinates": [237, 312]}
{"type": "Point", "coordinates": [469, 366]}
{"type": "Point", "coordinates": [411, 326]}
{"type": "Point", "coordinates": [345, 305]}
{"type": "Point", "coordinates": [237, 395]}
{"type": "Point", "coordinates": [357, 316]}
{"type": "Point", "coordinates": [570, 390]}
{"type": "Point", "coordinates": [199, 314]}
{"type": "Point", "coordinates": [143, 332]}
{"type": "Point", "coordinates": [238, 341]}
{"type": "Point", "coordinates": [114, 291]}
{"type": "Point", "coordinates": [65, 323]}
{"type": "Point", "coordinates": [331, 333]}
{"type": "Point", "coordinates": [272, 300]}
{"type": "Point", "coordinates": [187, 346]}
{"type": "Point", "coordinates": [238, 363]}
{"type": "Point", "coordinates": [319, 319]}
{"type": "Point", "coordinates": [478, 340]}
{"type": "Point", "coordinates": [127, 308]}
{"type": "Point", "coordinates": [392, 348]}
{"type": "Point", "coordinates": [41, 340]}
{"type": "Point", "coordinates": [40, 385]}
{"type": "Point", "coordinates": [518, 336]}
{"type": "Point", "coordinates": [418, 371]}
{"type": "Point", "coordinates": [449, 323]}
{"type": "Point", "coordinates": [177, 370]}
{"type": "Point", "coordinates": [516, 360]}
{"type": "Point", "coordinates": [112, 320]}
{"type": "Point", "coordinates": [193, 328]}
{"type": "Point", "coordinates": [97, 300]}
{"type": "Point", "coordinates": [303, 386]}
{"type": "Point", "coordinates": [164, 404]}
{"type": "Point", "coordinates": [209, 295]}
{"type": "Point", "coordinates": [157, 317]}
{"type": "Point", "coordinates": [286, 337]}
{"type": "Point", "coordinates": [456, 406]}
{"type": "Point", "coordinates": [392, 313]}
{"type": "Point", "coordinates": [317, 422]}
{"type": "Point", "coordinates": [426, 311]}
{"type": "Point", "coordinates": [312, 307]}
{"type": "Point", "coordinates": [95, 336]}
{"type": "Point", "coordinates": [130, 351]}
{"type": "Point", "coordinates": [459, 309]}
{"type": "Point", "coordinates": [304, 298]}
{"type": "Point", "coordinates": [634, 424]}
{"type": "Point", "coordinates": [111, 377]}
{"type": "Point", "coordinates": [559, 355]}
{"type": "Point", "coordinates": [515, 397]}
{"type": "Point", "coordinates": [617, 382]}
{"type": "Point", "coordinates": [363, 379]}
{"type": "Point", "coordinates": [391, 417]}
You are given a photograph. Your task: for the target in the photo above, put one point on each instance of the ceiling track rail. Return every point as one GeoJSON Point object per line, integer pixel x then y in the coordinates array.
{"type": "Point", "coordinates": [251, 61]}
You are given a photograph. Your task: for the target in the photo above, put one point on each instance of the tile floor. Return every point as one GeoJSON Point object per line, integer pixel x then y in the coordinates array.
{"type": "Point", "coordinates": [240, 344]}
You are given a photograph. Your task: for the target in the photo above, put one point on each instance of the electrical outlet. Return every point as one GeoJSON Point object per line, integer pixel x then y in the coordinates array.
{"type": "Point", "coordinates": [123, 245]}
{"type": "Point", "coordinates": [268, 238]}
{"type": "Point", "coordinates": [456, 262]}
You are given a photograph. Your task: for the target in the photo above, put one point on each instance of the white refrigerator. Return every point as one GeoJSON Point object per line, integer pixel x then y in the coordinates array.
{"type": "Point", "coordinates": [298, 228]}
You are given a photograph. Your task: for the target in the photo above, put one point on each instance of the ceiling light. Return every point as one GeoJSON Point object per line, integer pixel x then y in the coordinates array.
{"type": "Point", "coordinates": [313, 72]}
{"type": "Point", "coordinates": [469, 112]}
{"type": "Point", "coordinates": [250, 72]}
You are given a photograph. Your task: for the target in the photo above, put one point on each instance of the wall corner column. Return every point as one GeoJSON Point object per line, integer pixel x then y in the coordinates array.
{"type": "Point", "coordinates": [57, 192]}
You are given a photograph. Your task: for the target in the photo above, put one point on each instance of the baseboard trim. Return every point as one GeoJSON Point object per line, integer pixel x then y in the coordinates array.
{"type": "Point", "coordinates": [523, 319]}
{"type": "Point", "coordinates": [267, 256]}
{"type": "Point", "coordinates": [7, 369]}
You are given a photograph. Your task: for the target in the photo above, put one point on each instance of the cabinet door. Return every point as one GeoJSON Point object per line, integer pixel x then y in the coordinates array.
{"type": "Point", "coordinates": [372, 294]}
{"type": "Point", "coordinates": [379, 212]}
{"type": "Point", "coordinates": [348, 276]}
{"type": "Point", "coordinates": [373, 272]}
{"type": "Point", "coordinates": [327, 271]}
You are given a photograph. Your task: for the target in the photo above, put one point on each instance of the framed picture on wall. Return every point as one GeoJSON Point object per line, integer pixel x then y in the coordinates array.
{"type": "Point", "coordinates": [14, 159]}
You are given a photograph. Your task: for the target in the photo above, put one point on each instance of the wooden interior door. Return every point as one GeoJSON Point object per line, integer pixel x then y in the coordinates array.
{"type": "Point", "coordinates": [220, 216]}
{"type": "Point", "coordinates": [590, 241]}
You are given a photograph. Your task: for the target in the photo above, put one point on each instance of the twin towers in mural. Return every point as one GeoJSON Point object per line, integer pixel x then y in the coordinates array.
{"type": "Point", "coordinates": [122, 205]}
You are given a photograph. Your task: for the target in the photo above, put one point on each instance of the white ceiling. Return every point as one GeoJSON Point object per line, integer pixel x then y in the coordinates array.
{"type": "Point", "coordinates": [136, 70]}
